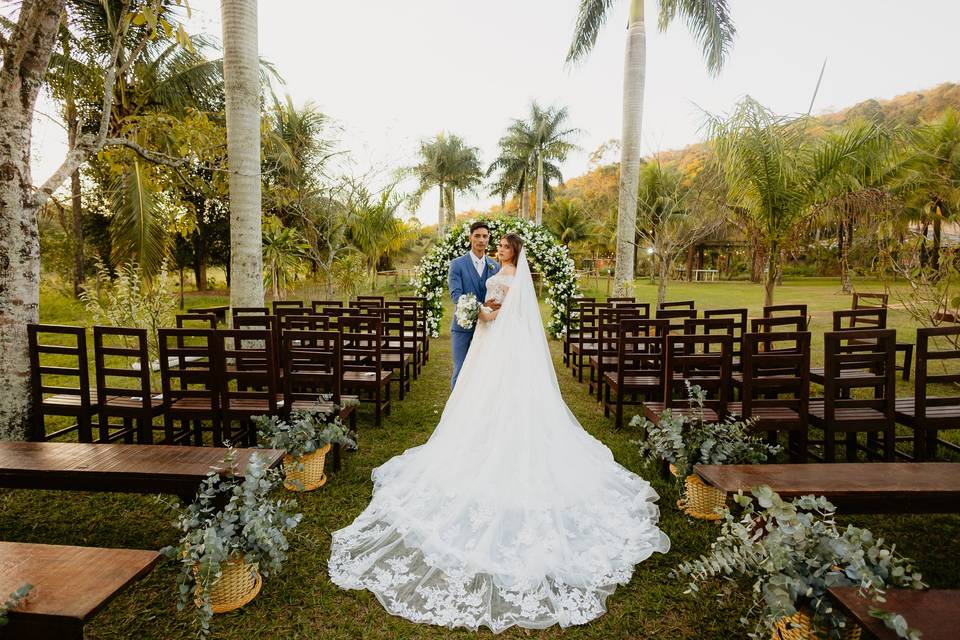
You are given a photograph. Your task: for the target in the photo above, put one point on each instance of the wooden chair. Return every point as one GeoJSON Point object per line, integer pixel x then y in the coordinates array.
{"type": "Point", "coordinates": [424, 331]}
{"type": "Point", "coordinates": [587, 333]}
{"type": "Point", "coordinates": [607, 345]}
{"type": "Point", "coordinates": [249, 311]}
{"type": "Point", "coordinates": [250, 380]}
{"type": "Point", "coordinates": [702, 360]}
{"type": "Point", "coordinates": [768, 375]}
{"type": "Point", "coordinates": [335, 314]}
{"type": "Point", "coordinates": [739, 317]}
{"type": "Point", "coordinates": [379, 300]}
{"type": "Point", "coordinates": [858, 359]}
{"type": "Point", "coordinates": [196, 320]}
{"type": "Point", "coordinates": [191, 381]}
{"type": "Point", "coordinates": [54, 397]}
{"type": "Point", "coordinates": [412, 331]}
{"type": "Point", "coordinates": [397, 346]}
{"type": "Point", "coordinates": [847, 320]}
{"type": "Point", "coordinates": [639, 372]}
{"type": "Point", "coordinates": [363, 369]}
{"type": "Point", "coordinates": [270, 323]}
{"type": "Point", "coordinates": [927, 415]}
{"type": "Point", "coordinates": [317, 305]}
{"type": "Point", "coordinates": [135, 404]}
{"type": "Point", "coordinates": [677, 304]}
{"type": "Point", "coordinates": [615, 302]}
{"type": "Point", "coordinates": [308, 322]}
{"type": "Point", "coordinates": [570, 334]}
{"type": "Point", "coordinates": [879, 300]}
{"type": "Point", "coordinates": [286, 304]}
{"type": "Point", "coordinates": [788, 311]}
{"type": "Point", "coordinates": [675, 317]}
{"type": "Point", "coordinates": [571, 308]}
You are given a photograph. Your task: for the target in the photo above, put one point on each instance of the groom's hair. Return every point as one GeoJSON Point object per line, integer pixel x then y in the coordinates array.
{"type": "Point", "coordinates": [479, 225]}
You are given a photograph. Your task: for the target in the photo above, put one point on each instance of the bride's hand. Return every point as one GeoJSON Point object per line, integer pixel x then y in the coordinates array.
{"type": "Point", "coordinates": [487, 314]}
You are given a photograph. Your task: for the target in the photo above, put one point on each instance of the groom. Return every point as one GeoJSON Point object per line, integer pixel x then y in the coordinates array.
{"type": "Point", "coordinates": [468, 274]}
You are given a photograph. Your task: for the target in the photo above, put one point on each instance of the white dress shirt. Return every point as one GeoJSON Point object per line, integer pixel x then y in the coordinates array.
{"type": "Point", "coordinates": [478, 263]}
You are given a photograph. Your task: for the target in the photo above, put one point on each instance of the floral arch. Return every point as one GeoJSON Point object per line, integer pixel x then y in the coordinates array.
{"type": "Point", "coordinates": [546, 256]}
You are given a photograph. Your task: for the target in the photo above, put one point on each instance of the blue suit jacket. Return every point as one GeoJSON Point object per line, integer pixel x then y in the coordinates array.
{"type": "Point", "coordinates": [463, 279]}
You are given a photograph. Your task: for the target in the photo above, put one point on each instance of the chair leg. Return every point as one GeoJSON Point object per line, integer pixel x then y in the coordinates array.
{"type": "Point", "coordinates": [930, 437]}
{"type": "Point", "coordinates": [104, 428]}
{"type": "Point", "coordinates": [85, 433]}
{"type": "Point", "coordinates": [829, 445]}
{"type": "Point", "coordinates": [128, 430]}
{"type": "Point", "coordinates": [377, 408]}
{"type": "Point", "coordinates": [167, 429]}
{"type": "Point", "coordinates": [851, 447]}
{"type": "Point", "coordinates": [890, 443]}
{"type": "Point", "coordinates": [618, 420]}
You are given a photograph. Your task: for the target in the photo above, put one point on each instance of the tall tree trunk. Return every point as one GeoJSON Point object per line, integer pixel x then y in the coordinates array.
{"type": "Point", "coordinates": [664, 276]}
{"type": "Point", "coordinates": [76, 204]}
{"type": "Point", "coordinates": [924, 252]}
{"type": "Point", "coordinates": [241, 82]}
{"type": "Point", "coordinates": [843, 244]}
{"type": "Point", "coordinates": [26, 55]}
{"type": "Point", "coordinates": [441, 218]}
{"type": "Point", "coordinates": [935, 253]}
{"type": "Point", "coordinates": [525, 202]}
{"type": "Point", "coordinates": [634, 76]}
{"type": "Point", "coordinates": [773, 273]}
{"type": "Point", "coordinates": [539, 209]}
{"type": "Point", "coordinates": [451, 206]}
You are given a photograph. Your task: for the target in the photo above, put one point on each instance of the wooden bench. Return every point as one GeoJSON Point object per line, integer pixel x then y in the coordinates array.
{"type": "Point", "coordinates": [871, 487]}
{"type": "Point", "coordinates": [121, 468]}
{"type": "Point", "coordinates": [934, 613]}
{"type": "Point", "coordinates": [70, 585]}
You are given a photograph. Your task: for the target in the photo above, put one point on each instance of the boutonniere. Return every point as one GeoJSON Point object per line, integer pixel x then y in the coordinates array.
{"type": "Point", "coordinates": [491, 263]}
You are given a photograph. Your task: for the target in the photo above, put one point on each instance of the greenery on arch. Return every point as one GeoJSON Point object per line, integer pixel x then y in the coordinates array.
{"type": "Point", "coordinates": [546, 256]}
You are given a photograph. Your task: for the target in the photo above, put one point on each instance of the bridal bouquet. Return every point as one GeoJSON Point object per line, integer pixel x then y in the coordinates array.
{"type": "Point", "coordinates": [467, 310]}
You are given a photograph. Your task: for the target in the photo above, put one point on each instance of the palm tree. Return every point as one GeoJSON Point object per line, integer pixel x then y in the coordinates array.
{"type": "Point", "coordinates": [929, 178]}
{"type": "Point", "coordinates": [712, 27]}
{"type": "Point", "coordinates": [242, 91]}
{"type": "Point", "coordinates": [566, 220]}
{"type": "Point", "coordinates": [446, 162]}
{"type": "Point", "coordinates": [857, 191]}
{"type": "Point", "coordinates": [775, 174]}
{"type": "Point", "coordinates": [513, 171]}
{"type": "Point", "coordinates": [375, 230]}
{"type": "Point", "coordinates": [284, 255]}
{"type": "Point", "coordinates": [531, 147]}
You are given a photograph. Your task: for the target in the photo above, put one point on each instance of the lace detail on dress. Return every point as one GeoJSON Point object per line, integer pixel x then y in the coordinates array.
{"type": "Point", "coordinates": [524, 585]}
{"type": "Point", "coordinates": [497, 287]}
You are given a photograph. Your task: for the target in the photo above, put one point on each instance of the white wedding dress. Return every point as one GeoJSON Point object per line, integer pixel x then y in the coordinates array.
{"type": "Point", "coordinates": [510, 514]}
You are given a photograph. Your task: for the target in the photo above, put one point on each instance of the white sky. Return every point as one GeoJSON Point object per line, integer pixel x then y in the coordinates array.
{"type": "Point", "coordinates": [391, 73]}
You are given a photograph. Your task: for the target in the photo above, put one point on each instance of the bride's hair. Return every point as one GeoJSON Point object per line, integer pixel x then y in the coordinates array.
{"type": "Point", "coordinates": [516, 243]}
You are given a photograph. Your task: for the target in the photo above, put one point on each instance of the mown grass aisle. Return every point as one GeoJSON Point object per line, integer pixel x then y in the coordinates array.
{"type": "Point", "coordinates": [302, 602]}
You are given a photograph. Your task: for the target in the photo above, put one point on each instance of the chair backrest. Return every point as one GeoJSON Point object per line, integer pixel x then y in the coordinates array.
{"type": "Point", "coordinates": [286, 304]}
{"type": "Point", "coordinates": [788, 311]}
{"type": "Point", "coordinates": [702, 360]}
{"type": "Point", "coordinates": [676, 317]}
{"type": "Point", "coordinates": [859, 359]}
{"type": "Point", "coordinates": [371, 298]}
{"type": "Point", "coordinates": [739, 317]}
{"type": "Point", "coordinates": [608, 328]}
{"type": "Point", "coordinates": [314, 365]}
{"type": "Point", "coordinates": [677, 304]}
{"type": "Point", "coordinates": [771, 373]}
{"type": "Point", "coordinates": [128, 375]}
{"type": "Point", "coordinates": [869, 300]}
{"type": "Point", "coordinates": [317, 305]}
{"type": "Point", "coordinates": [870, 318]}
{"type": "Point", "coordinates": [707, 326]}
{"type": "Point", "coordinates": [361, 343]}
{"type": "Point", "coordinates": [936, 344]}
{"type": "Point", "coordinates": [188, 357]}
{"type": "Point", "coordinates": [307, 322]}
{"type": "Point", "coordinates": [248, 367]}
{"type": "Point", "coordinates": [641, 349]}
{"type": "Point", "coordinates": [198, 320]}
{"type": "Point", "coordinates": [285, 312]}
{"type": "Point", "coordinates": [247, 311]}
{"type": "Point", "coordinates": [614, 302]}
{"type": "Point", "coordinates": [59, 342]}
{"type": "Point", "coordinates": [269, 323]}
{"type": "Point", "coordinates": [588, 321]}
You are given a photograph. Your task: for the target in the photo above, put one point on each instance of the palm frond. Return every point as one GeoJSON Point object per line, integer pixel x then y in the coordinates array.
{"type": "Point", "coordinates": [709, 22]}
{"type": "Point", "coordinates": [590, 18]}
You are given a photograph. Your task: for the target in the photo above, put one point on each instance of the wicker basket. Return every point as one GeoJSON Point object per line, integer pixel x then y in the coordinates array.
{"type": "Point", "coordinates": [799, 626]}
{"type": "Point", "coordinates": [702, 501]}
{"type": "Point", "coordinates": [238, 584]}
{"type": "Point", "coordinates": [308, 474]}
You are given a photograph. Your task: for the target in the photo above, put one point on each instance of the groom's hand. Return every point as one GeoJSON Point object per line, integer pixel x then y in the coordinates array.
{"type": "Point", "coordinates": [492, 305]}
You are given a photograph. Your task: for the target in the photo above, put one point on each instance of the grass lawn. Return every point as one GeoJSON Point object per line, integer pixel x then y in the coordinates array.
{"type": "Point", "coordinates": [302, 602]}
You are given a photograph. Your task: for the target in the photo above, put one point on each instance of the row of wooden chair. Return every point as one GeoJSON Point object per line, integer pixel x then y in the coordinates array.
{"type": "Point", "coordinates": [640, 361]}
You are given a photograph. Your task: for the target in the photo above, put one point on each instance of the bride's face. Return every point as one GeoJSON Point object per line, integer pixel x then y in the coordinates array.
{"type": "Point", "coordinates": [504, 252]}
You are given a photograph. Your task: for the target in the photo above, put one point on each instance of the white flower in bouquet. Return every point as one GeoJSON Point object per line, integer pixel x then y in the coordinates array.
{"type": "Point", "coordinates": [467, 310]}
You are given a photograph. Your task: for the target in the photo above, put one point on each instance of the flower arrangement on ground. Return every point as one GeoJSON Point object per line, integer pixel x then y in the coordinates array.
{"type": "Point", "coordinates": [794, 551]}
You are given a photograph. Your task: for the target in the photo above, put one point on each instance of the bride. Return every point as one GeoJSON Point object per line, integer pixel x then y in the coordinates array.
{"type": "Point", "coordinates": [510, 514]}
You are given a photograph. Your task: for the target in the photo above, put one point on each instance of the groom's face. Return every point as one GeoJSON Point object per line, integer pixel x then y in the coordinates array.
{"type": "Point", "coordinates": [479, 240]}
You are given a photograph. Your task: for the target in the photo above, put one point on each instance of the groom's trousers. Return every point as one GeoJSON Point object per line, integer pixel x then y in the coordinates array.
{"type": "Point", "coordinates": [461, 343]}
